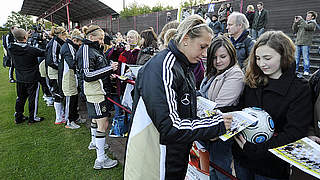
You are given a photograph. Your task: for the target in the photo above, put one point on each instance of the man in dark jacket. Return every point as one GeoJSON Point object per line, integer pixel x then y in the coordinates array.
{"type": "Point", "coordinates": [215, 25]}
{"type": "Point", "coordinates": [237, 26]}
{"type": "Point", "coordinates": [260, 21]}
{"type": "Point", "coordinates": [25, 61]}
{"type": "Point", "coordinates": [6, 41]}
{"type": "Point", "coordinates": [304, 30]}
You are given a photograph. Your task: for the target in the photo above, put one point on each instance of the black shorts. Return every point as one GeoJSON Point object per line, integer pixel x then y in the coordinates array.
{"type": "Point", "coordinates": [98, 110]}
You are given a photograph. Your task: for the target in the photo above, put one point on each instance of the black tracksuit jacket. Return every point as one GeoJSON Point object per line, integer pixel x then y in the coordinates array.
{"type": "Point", "coordinates": [25, 59]}
{"type": "Point", "coordinates": [166, 87]}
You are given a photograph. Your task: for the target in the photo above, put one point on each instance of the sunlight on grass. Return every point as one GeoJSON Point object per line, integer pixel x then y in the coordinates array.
{"type": "Point", "coordinates": [43, 150]}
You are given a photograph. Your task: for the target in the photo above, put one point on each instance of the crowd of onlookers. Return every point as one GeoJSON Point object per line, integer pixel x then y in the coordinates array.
{"type": "Point", "coordinates": [228, 57]}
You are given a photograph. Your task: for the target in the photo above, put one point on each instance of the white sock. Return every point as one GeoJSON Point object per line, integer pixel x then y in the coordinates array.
{"type": "Point", "coordinates": [61, 111]}
{"type": "Point", "coordinates": [57, 108]}
{"type": "Point", "coordinates": [93, 135]}
{"type": "Point", "coordinates": [100, 148]}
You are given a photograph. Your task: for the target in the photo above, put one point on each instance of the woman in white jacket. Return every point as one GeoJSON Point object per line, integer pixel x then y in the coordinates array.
{"type": "Point", "coordinates": [222, 84]}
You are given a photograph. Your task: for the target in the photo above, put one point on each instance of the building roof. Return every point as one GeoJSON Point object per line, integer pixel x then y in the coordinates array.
{"type": "Point", "coordinates": [78, 9]}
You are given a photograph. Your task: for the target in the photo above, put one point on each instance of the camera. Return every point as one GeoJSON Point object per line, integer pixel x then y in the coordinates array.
{"type": "Point", "coordinates": [148, 50]}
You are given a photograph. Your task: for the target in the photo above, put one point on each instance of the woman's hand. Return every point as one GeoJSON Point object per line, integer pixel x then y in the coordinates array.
{"type": "Point", "coordinates": [114, 65]}
{"type": "Point", "coordinates": [127, 46]}
{"type": "Point", "coordinates": [227, 121]}
{"type": "Point", "coordinates": [240, 140]}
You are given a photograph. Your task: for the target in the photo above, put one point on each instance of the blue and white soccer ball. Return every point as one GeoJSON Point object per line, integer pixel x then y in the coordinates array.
{"type": "Point", "coordinates": [262, 130]}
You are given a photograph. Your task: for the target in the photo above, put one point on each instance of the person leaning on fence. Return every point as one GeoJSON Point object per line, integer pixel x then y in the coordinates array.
{"type": "Point", "coordinates": [165, 121]}
{"type": "Point", "coordinates": [215, 25]}
{"type": "Point", "coordinates": [237, 26]}
{"type": "Point", "coordinates": [250, 16]}
{"type": "Point", "coordinates": [223, 85]}
{"type": "Point", "coordinates": [52, 62]}
{"type": "Point", "coordinates": [148, 46]}
{"type": "Point", "coordinates": [25, 59]}
{"type": "Point", "coordinates": [96, 70]}
{"type": "Point", "coordinates": [272, 85]}
{"type": "Point", "coordinates": [67, 69]}
{"type": "Point", "coordinates": [169, 25]}
{"type": "Point", "coordinates": [7, 61]}
{"type": "Point", "coordinates": [304, 30]}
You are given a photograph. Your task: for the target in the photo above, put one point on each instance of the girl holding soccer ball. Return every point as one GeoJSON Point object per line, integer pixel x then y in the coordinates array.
{"type": "Point", "coordinates": [271, 84]}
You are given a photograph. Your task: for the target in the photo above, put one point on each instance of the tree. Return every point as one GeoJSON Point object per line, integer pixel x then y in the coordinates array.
{"type": "Point", "coordinates": [134, 9]}
{"type": "Point", "coordinates": [190, 3]}
{"type": "Point", "coordinates": [17, 19]}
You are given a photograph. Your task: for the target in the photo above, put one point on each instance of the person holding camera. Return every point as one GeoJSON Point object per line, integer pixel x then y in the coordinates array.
{"type": "Point", "coordinates": [25, 60]}
{"type": "Point", "coordinates": [148, 46]}
{"type": "Point", "coordinates": [304, 30]}
{"type": "Point", "coordinates": [7, 61]}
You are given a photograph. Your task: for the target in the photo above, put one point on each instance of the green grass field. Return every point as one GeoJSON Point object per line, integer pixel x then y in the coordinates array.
{"type": "Point", "coordinates": [43, 150]}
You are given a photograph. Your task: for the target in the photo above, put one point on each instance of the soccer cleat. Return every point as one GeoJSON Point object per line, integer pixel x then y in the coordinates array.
{"type": "Point", "coordinates": [38, 119]}
{"type": "Point", "coordinates": [72, 125]}
{"type": "Point", "coordinates": [12, 81]}
{"type": "Point", "coordinates": [35, 120]}
{"type": "Point", "coordinates": [93, 146]}
{"type": "Point", "coordinates": [49, 101]}
{"type": "Point", "coordinates": [19, 121]}
{"type": "Point", "coordinates": [60, 121]}
{"type": "Point", "coordinates": [81, 121]}
{"type": "Point", "coordinates": [107, 163]}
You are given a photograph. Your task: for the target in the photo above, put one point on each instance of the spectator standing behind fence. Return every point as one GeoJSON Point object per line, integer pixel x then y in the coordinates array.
{"type": "Point", "coordinates": [170, 25]}
{"type": "Point", "coordinates": [260, 21]}
{"type": "Point", "coordinates": [169, 18]}
{"type": "Point", "coordinates": [215, 25]}
{"type": "Point", "coordinates": [96, 70]}
{"type": "Point", "coordinates": [272, 85]}
{"type": "Point", "coordinates": [52, 62]}
{"type": "Point", "coordinates": [304, 30]}
{"type": "Point", "coordinates": [222, 84]}
{"type": "Point", "coordinates": [164, 122]}
{"type": "Point", "coordinates": [25, 59]}
{"type": "Point", "coordinates": [6, 41]}
{"type": "Point", "coordinates": [239, 35]}
{"type": "Point", "coordinates": [148, 46]}
{"type": "Point", "coordinates": [132, 49]}
{"type": "Point", "coordinates": [250, 16]}
{"type": "Point", "coordinates": [223, 13]}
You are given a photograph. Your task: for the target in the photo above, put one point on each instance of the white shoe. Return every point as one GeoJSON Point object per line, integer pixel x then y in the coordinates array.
{"type": "Point", "coordinates": [72, 125]}
{"type": "Point", "coordinates": [306, 73]}
{"type": "Point", "coordinates": [93, 146]}
{"type": "Point", "coordinates": [107, 163]}
{"type": "Point", "coordinates": [81, 121]}
{"type": "Point", "coordinates": [49, 102]}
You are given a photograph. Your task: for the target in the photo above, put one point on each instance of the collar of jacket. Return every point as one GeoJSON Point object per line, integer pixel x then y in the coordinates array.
{"type": "Point", "coordinates": [60, 41]}
{"type": "Point", "coordinates": [93, 44]}
{"type": "Point", "coordinates": [76, 47]}
{"type": "Point", "coordinates": [180, 56]}
{"type": "Point", "coordinates": [242, 37]}
{"type": "Point", "coordinates": [282, 85]}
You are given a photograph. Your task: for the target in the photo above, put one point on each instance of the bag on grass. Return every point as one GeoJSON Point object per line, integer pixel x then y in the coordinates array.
{"type": "Point", "coordinates": [119, 126]}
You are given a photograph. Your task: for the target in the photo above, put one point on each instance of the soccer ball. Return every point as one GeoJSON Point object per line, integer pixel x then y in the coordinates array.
{"type": "Point", "coordinates": [262, 130]}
